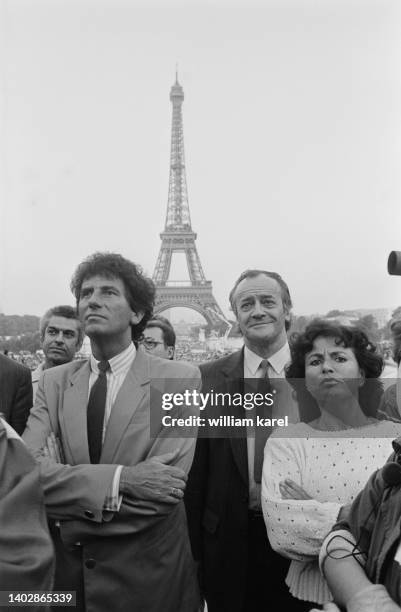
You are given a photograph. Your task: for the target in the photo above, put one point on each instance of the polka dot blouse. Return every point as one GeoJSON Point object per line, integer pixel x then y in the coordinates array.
{"type": "Point", "coordinates": [332, 467]}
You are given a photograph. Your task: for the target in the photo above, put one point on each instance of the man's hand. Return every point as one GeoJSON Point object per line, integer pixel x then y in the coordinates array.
{"type": "Point", "coordinates": [291, 490]}
{"type": "Point", "coordinates": [53, 450]}
{"type": "Point", "coordinates": [155, 480]}
{"type": "Point", "coordinates": [373, 598]}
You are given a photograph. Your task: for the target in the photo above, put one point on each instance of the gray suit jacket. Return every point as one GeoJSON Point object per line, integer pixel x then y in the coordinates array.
{"type": "Point", "coordinates": [141, 554]}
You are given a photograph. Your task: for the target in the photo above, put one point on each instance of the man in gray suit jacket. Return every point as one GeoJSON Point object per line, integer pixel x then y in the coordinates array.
{"type": "Point", "coordinates": [122, 541]}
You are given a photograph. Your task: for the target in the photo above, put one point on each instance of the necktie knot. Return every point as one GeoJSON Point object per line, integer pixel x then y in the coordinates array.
{"type": "Point", "coordinates": [103, 366]}
{"type": "Point", "coordinates": [264, 366]}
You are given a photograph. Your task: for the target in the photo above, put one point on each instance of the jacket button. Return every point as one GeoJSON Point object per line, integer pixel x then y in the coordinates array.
{"type": "Point", "coordinates": [89, 514]}
{"type": "Point", "coordinates": [90, 563]}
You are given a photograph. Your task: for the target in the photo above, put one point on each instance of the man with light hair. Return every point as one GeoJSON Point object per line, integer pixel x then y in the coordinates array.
{"type": "Point", "coordinates": [61, 336]}
{"type": "Point", "coordinates": [223, 496]}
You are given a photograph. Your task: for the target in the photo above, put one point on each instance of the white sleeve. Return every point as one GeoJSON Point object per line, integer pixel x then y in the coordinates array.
{"type": "Point", "coordinates": [113, 500]}
{"type": "Point", "coordinates": [296, 528]}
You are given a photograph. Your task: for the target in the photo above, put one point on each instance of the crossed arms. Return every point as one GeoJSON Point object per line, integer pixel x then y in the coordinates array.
{"type": "Point", "coordinates": [76, 494]}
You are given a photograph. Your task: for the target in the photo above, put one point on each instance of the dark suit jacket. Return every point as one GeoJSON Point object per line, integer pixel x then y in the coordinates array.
{"type": "Point", "coordinates": [26, 551]}
{"type": "Point", "coordinates": [217, 496]}
{"type": "Point", "coordinates": [15, 393]}
{"type": "Point", "coordinates": [138, 558]}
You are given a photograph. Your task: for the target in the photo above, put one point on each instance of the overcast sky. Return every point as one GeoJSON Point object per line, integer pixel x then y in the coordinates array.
{"type": "Point", "coordinates": [292, 140]}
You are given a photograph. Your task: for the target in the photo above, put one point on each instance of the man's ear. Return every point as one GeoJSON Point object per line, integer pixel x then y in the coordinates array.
{"type": "Point", "coordinates": [136, 317]}
{"type": "Point", "coordinates": [81, 336]}
{"type": "Point", "coordinates": [170, 352]}
{"type": "Point", "coordinates": [287, 316]}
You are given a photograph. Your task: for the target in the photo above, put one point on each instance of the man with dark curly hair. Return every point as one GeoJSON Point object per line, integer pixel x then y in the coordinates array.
{"type": "Point", "coordinates": [113, 478]}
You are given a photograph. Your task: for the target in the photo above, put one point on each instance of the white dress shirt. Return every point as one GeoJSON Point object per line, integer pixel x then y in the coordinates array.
{"type": "Point", "coordinates": [119, 367]}
{"type": "Point", "coordinates": [276, 369]}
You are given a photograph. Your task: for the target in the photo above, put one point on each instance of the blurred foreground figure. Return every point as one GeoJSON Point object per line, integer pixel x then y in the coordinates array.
{"type": "Point", "coordinates": [360, 558]}
{"type": "Point", "coordinates": [26, 551]}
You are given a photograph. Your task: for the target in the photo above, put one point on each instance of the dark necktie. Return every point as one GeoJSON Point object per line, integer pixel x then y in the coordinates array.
{"type": "Point", "coordinates": [261, 433]}
{"type": "Point", "coordinates": [95, 412]}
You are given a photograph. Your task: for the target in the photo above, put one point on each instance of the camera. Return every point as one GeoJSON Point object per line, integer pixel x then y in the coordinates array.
{"type": "Point", "coordinates": [394, 263]}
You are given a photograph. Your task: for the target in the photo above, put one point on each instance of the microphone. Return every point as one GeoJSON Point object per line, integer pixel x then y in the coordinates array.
{"type": "Point", "coordinates": [391, 473]}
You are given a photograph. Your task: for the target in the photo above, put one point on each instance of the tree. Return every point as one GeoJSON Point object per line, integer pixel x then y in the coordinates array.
{"type": "Point", "coordinates": [15, 325]}
{"type": "Point", "coordinates": [369, 325]}
{"type": "Point", "coordinates": [334, 313]}
{"type": "Point", "coordinates": [396, 314]}
{"type": "Point", "coordinates": [298, 323]}
{"type": "Point", "coordinates": [385, 331]}
{"type": "Point", "coordinates": [25, 342]}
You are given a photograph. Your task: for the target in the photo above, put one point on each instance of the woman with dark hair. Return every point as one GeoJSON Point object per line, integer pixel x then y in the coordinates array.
{"type": "Point", "coordinates": [370, 363]}
{"type": "Point", "coordinates": [315, 467]}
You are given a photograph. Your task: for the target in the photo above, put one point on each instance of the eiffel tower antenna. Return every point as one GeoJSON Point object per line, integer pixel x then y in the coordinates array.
{"type": "Point", "coordinates": [178, 236]}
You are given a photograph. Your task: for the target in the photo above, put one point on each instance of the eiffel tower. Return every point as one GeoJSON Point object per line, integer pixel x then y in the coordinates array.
{"type": "Point", "coordinates": [178, 237]}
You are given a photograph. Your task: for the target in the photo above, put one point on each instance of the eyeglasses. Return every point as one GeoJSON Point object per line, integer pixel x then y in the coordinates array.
{"type": "Point", "coordinates": [149, 344]}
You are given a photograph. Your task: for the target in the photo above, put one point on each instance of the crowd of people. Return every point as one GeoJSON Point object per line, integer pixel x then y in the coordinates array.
{"type": "Point", "coordinates": [184, 351]}
{"type": "Point", "coordinates": [291, 504]}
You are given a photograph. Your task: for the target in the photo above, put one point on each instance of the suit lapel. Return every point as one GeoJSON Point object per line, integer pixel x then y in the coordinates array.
{"type": "Point", "coordinates": [128, 405]}
{"type": "Point", "coordinates": [234, 374]}
{"type": "Point", "coordinates": [73, 414]}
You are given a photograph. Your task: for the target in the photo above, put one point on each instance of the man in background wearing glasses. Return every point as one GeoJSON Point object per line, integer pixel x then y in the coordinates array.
{"type": "Point", "coordinates": [159, 338]}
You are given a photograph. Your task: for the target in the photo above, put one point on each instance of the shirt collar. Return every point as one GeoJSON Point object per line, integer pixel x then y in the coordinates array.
{"type": "Point", "coordinates": [36, 374]}
{"type": "Point", "coordinates": [277, 361]}
{"type": "Point", "coordinates": [119, 362]}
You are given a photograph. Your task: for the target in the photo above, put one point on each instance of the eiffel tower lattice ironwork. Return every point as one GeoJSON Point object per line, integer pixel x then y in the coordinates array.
{"type": "Point", "coordinates": [178, 237]}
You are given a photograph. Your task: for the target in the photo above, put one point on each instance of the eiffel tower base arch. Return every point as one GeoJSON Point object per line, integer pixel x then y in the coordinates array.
{"type": "Point", "coordinates": [199, 298]}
